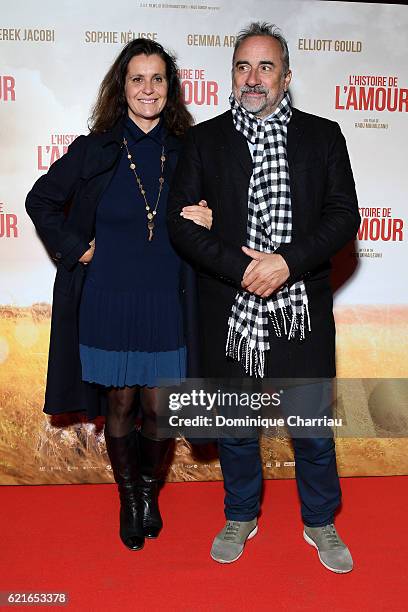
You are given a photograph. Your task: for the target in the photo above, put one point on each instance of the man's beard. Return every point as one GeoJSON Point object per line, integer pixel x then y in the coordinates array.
{"type": "Point", "coordinates": [254, 106]}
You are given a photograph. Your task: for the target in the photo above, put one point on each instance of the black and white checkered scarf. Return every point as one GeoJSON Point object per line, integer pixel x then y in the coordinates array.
{"type": "Point", "coordinates": [269, 225]}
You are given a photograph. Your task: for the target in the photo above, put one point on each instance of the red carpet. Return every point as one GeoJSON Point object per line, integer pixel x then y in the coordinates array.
{"type": "Point", "coordinates": [63, 538]}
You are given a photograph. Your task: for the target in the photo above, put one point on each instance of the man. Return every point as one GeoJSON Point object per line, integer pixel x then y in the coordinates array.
{"type": "Point", "coordinates": [282, 193]}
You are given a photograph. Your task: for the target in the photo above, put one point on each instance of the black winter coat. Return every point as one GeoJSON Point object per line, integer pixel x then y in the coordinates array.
{"type": "Point", "coordinates": [216, 165]}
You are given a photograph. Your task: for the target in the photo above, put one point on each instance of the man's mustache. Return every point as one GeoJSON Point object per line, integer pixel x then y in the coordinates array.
{"type": "Point", "coordinates": [256, 89]}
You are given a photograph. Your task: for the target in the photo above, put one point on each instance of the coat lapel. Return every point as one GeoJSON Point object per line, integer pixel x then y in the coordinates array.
{"type": "Point", "coordinates": [237, 144]}
{"type": "Point", "coordinates": [296, 130]}
{"type": "Point", "coordinates": [236, 156]}
{"type": "Point", "coordinates": [295, 133]}
{"type": "Point", "coordinates": [103, 152]}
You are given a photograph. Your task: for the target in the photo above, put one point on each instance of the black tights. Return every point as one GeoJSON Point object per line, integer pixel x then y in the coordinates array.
{"type": "Point", "coordinates": [121, 416]}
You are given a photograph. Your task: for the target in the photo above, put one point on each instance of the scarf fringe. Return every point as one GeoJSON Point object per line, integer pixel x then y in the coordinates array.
{"type": "Point", "coordinates": [252, 358]}
{"type": "Point", "coordinates": [298, 323]}
{"type": "Point", "coordinates": [239, 348]}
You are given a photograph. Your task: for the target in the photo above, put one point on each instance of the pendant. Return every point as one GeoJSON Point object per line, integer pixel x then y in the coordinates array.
{"type": "Point", "coordinates": [150, 227]}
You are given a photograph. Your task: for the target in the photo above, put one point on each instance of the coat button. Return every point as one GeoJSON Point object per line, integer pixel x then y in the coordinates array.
{"type": "Point", "coordinates": [58, 255]}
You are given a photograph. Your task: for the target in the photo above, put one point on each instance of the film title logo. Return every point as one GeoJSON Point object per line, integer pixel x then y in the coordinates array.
{"type": "Point", "coordinates": [48, 154]}
{"type": "Point", "coordinates": [379, 93]}
{"type": "Point", "coordinates": [114, 37]}
{"type": "Point", "coordinates": [196, 89]}
{"type": "Point", "coordinates": [328, 44]}
{"type": "Point", "coordinates": [378, 224]}
{"type": "Point", "coordinates": [27, 34]}
{"type": "Point", "coordinates": [8, 223]}
{"type": "Point", "coordinates": [210, 40]}
{"type": "Point", "coordinates": [7, 89]}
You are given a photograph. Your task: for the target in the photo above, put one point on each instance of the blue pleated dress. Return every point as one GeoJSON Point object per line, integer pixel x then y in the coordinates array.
{"type": "Point", "coordinates": [130, 320]}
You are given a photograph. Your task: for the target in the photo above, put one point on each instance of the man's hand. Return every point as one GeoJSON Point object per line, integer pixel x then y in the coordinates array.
{"type": "Point", "coordinates": [265, 274]}
{"type": "Point", "coordinates": [250, 267]}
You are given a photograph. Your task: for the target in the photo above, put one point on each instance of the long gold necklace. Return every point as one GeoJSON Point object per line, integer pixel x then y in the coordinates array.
{"type": "Point", "coordinates": [150, 213]}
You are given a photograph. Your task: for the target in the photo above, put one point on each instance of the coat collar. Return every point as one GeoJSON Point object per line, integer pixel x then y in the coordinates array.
{"type": "Point", "coordinates": [239, 147]}
{"type": "Point", "coordinates": [104, 150]}
{"type": "Point", "coordinates": [114, 136]}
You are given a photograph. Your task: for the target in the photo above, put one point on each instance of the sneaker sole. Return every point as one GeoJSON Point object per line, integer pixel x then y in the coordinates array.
{"type": "Point", "coordinates": [251, 535]}
{"type": "Point", "coordinates": [332, 569]}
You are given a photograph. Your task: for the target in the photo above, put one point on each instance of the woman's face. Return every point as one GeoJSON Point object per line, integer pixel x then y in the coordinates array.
{"type": "Point", "coordinates": [146, 89]}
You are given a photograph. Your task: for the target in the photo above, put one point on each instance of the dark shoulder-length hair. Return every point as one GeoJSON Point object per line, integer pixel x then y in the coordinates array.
{"type": "Point", "coordinates": [111, 102]}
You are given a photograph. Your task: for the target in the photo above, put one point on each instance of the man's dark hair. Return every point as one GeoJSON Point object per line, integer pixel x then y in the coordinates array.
{"type": "Point", "coordinates": [258, 28]}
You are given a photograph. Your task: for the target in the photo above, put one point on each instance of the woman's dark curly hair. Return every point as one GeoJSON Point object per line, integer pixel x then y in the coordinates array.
{"type": "Point", "coordinates": [111, 102]}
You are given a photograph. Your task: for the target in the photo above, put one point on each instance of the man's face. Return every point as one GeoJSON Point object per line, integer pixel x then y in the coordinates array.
{"type": "Point", "coordinates": [258, 79]}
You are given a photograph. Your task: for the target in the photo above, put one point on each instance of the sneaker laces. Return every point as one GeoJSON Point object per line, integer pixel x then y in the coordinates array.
{"type": "Point", "coordinates": [231, 530]}
{"type": "Point", "coordinates": [331, 535]}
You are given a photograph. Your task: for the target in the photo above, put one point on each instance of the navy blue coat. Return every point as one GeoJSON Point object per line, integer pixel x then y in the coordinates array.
{"type": "Point", "coordinates": [62, 205]}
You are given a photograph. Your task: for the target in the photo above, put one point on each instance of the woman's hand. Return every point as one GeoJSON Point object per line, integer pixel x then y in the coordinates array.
{"type": "Point", "coordinates": [87, 256]}
{"type": "Point", "coordinates": [199, 213]}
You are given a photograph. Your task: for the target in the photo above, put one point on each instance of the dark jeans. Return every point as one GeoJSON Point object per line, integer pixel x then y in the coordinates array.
{"type": "Point", "coordinates": [315, 459]}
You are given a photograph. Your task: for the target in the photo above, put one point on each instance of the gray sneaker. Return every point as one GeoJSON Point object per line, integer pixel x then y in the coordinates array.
{"type": "Point", "coordinates": [332, 551]}
{"type": "Point", "coordinates": [229, 544]}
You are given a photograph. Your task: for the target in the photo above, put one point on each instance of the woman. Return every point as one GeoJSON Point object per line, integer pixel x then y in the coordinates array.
{"type": "Point", "coordinates": [117, 324]}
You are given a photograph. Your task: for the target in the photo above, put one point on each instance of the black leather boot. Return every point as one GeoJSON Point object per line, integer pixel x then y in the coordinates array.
{"type": "Point", "coordinates": [152, 457]}
{"type": "Point", "coordinates": [124, 457]}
